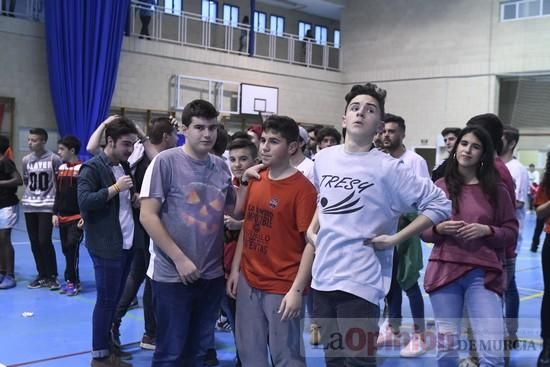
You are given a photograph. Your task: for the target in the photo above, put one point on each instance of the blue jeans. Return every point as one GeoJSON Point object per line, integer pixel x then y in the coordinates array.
{"type": "Point", "coordinates": [511, 297]}
{"type": "Point", "coordinates": [110, 277]}
{"type": "Point", "coordinates": [182, 312]}
{"type": "Point", "coordinates": [485, 311]}
{"type": "Point", "coordinates": [395, 298]}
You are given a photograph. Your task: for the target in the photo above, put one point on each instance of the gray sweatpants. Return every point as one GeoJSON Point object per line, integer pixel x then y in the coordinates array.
{"type": "Point", "coordinates": [259, 326]}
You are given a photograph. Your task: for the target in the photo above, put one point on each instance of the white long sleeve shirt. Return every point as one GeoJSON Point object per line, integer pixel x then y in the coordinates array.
{"type": "Point", "coordinates": [361, 196]}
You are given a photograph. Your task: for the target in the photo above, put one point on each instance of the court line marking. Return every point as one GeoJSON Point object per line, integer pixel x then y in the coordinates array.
{"type": "Point", "coordinates": [54, 358]}
{"type": "Point", "coordinates": [530, 289]}
{"type": "Point", "coordinates": [532, 296]}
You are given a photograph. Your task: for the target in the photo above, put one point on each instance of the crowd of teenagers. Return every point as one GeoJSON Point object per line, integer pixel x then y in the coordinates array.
{"type": "Point", "coordinates": [278, 225]}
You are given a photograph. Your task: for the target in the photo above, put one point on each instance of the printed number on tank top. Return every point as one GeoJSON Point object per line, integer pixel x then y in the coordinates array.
{"type": "Point", "coordinates": [39, 181]}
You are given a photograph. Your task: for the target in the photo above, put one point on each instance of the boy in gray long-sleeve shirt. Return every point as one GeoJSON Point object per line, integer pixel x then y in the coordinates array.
{"type": "Point", "coordinates": [362, 193]}
{"type": "Point", "coordinates": [40, 168]}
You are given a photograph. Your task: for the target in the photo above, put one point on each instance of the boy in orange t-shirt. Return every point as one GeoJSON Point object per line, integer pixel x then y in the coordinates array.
{"type": "Point", "coordinates": [272, 264]}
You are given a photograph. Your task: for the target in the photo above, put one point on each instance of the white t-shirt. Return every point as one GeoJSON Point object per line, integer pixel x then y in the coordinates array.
{"type": "Point", "coordinates": [306, 167]}
{"type": "Point", "coordinates": [416, 163]}
{"type": "Point", "coordinates": [520, 175]}
{"type": "Point", "coordinates": [534, 177]}
{"type": "Point", "coordinates": [125, 214]}
{"type": "Point", "coordinates": [137, 154]}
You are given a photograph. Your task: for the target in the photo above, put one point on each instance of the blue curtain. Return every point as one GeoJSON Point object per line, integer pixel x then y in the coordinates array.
{"type": "Point", "coordinates": [84, 39]}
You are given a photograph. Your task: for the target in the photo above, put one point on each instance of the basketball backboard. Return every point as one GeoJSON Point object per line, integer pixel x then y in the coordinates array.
{"type": "Point", "coordinates": [256, 99]}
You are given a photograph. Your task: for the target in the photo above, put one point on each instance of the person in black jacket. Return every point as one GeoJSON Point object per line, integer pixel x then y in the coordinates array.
{"type": "Point", "coordinates": [66, 214]}
{"type": "Point", "coordinates": [449, 137]}
{"type": "Point", "coordinates": [162, 134]}
{"type": "Point", "coordinates": [105, 195]}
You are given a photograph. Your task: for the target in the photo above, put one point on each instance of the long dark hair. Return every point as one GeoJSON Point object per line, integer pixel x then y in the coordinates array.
{"type": "Point", "coordinates": [486, 172]}
{"type": "Point", "coordinates": [545, 182]}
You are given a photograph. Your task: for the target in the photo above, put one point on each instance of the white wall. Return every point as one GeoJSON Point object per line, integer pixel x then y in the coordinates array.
{"type": "Point", "coordinates": [439, 60]}
{"type": "Point", "coordinates": [24, 76]}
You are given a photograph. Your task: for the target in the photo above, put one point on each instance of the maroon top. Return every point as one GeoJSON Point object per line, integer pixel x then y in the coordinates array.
{"type": "Point", "coordinates": [508, 181]}
{"type": "Point", "coordinates": [452, 257]}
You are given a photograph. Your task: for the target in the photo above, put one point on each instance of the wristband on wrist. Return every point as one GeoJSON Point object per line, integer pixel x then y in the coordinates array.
{"type": "Point", "coordinates": [117, 189]}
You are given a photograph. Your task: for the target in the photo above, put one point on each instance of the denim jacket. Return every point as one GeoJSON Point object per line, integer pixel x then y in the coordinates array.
{"type": "Point", "coordinates": [101, 220]}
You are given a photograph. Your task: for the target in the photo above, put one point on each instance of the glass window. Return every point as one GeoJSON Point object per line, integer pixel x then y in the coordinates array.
{"type": "Point", "coordinates": [524, 9]}
{"type": "Point", "coordinates": [303, 27]}
{"type": "Point", "coordinates": [209, 10]}
{"type": "Point", "coordinates": [320, 35]}
{"type": "Point", "coordinates": [528, 9]}
{"type": "Point", "coordinates": [509, 11]}
{"type": "Point", "coordinates": [172, 7]}
{"type": "Point", "coordinates": [259, 21]}
{"type": "Point", "coordinates": [336, 38]}
{"type": "Point", "coordinates": [230, 15]}
{"type": "Point", "coordinates": [276, 25]}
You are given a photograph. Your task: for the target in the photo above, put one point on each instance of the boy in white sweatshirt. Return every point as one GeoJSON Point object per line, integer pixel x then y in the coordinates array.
{"type": "Point", "coordinates": [362, 193]}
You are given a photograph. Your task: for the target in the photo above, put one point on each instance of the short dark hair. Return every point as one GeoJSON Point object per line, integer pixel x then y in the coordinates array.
{"type": "Point", "coordinates": [71, 142]}
{"type": "Point", "coordinates": [284, 125]}
{"type": "Point", "coordinates": [4, 143]}
{"type": "Point", "coordinates": [159, 126]}
{"type": "Point", "coordinates": [240, 135]}
{"type": "Point", "coordinates": [118, 127]}
{"type": "Point", "coordinates": [221, 141]}
{"type": "Point", "coordinates": [450, 130]}
{"type": "Point", "coordinates": [532, 165]}
{"type": "Point", "coordinates": [388, 117]}
{"type": "Point", "coordinates": [244, 143]}
{"type": "Point", "coordinates": [314, 128]}
{"type": "Point", "coordinates": [492, 124]}
{"type": "Point", "coordinates": [198, 108]}
{"type": "Point", "coordinates": [511, 134]}
{"type": "Point", "coordinates": [40, 132]}
{"type": "Point", "coordinates": [369, 89]}
{"type": "Point", "coordinates": [328, 131]}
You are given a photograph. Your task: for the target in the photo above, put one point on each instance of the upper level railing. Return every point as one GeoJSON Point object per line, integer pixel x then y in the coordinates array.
{"type": "Point", "coordinates": [27, 9]}
{"type": "Point", "coordinates": [195, 30]}
{"type": "Point", "coordinates": [190, 29]}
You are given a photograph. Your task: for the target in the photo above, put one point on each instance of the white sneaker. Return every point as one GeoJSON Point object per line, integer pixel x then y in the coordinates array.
{"type": "Point", "coordinates": [386, 337]}
{"type": "Point", "coordinates": [415, 348]}
{"type": "Point", "coordinates": [468, 362]}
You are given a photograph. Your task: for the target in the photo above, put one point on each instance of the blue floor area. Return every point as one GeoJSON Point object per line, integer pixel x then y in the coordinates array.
{"type": "Point", "coordinates": [58, 334]}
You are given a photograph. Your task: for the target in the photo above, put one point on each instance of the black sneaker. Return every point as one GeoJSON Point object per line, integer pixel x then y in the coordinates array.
{"type": "Point", "coordinates": [211, 358]}
{"type": "Point", "coordinates": [53, 284]}
{"type": "Point", "coordinates": [110, 361]}
{"type": "Point", "coordinates": [37, 283]}
{"type": "Point", "coordinates": [121, 354]}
